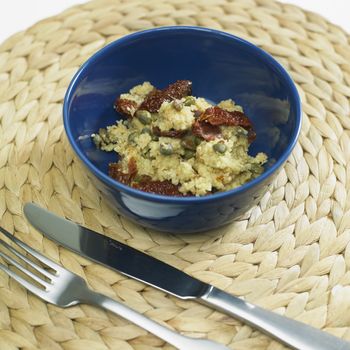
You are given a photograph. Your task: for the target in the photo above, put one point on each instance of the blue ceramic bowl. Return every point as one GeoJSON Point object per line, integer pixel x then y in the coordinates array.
{"type": "Point", "coordinates": [221, 66]}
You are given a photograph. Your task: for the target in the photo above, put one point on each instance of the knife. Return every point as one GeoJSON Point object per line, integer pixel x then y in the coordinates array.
{"type": "Point", "coordinates": [142, 267]}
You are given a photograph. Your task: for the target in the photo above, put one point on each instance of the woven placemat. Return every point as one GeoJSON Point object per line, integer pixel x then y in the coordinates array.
{"type": "Point", "coordinates": [290, 254]}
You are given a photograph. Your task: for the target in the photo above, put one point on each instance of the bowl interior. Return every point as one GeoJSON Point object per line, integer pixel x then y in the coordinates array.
{"type": "Point", "coordinates": [220, 67]}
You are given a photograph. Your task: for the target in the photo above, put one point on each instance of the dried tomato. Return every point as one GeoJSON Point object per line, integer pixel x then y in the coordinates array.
{"type": "Point", "coordinates": [168, 133]}
{"type": "Point", "coordinates": [132, 167]}
{"type": "Point", "coordinates": [153, 101]}
{"type": "Point", "coordinates": [126, 108]}
{"type": "Point", "coordinates": [165, 188]}
{"type": "Point", "coordinates": [116, 172]}
{"type": "Point", "coordinates": [145, 183]}
{"type": "Point", "coordinates": [205, 130]}
{"type": "Point", "coordinates": [155, 98]}
{"type": "Point", "coordinates": [218, 116]}
{"type": "Point", "coordinates": [251, 135]}
{"type": "Point", "coordinates": [180, 89]}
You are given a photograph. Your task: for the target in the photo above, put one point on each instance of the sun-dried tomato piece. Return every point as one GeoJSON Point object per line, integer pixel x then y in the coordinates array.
{"type": "Point", "coordinates": [218, 116]}
{"type": "Point", "coordinates": [153, 101]}
{"type": "Point", "coordinates": [125, 107]}
{"type": "Point", "coordinates": [132, 167]}
{"type": "Point", "coordinates": [168, 133]}
{"type": "Point", "coordinates": [205, 130]}
{"type": "Point", "coordinates": [116, 172]}
{"type": "Point", "coordinates": [145, 183]}
{"type": "Point", "coordinates": [179, 89]}
{"type": "Point", "coordinates": [165, 188]}
{"type": "Point", "coordinates": [251, 135]}
{"type": "Point", "coordinates": [155, 98]}
{"type": "Point", "coordinates": [242, 120]}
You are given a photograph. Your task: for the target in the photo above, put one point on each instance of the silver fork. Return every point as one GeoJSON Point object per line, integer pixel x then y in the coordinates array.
{"type": "Point", "coordinates": [65, 289]}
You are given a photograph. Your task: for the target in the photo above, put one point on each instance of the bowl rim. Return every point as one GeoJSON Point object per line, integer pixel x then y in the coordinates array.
{"type": "Point", "coordinates": [191, 199]}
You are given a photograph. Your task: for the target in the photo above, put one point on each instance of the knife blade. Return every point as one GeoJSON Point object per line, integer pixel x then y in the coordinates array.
{"type": "Point", "coordinates": [111, 253]}
{"type": "Point", "coordinates": [136, 264]}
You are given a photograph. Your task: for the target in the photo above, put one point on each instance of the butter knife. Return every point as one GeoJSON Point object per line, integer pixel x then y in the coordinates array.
{"type": "Point", "coordinates": [144, 268]}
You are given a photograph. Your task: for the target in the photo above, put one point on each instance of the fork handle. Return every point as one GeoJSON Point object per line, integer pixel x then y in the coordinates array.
{"type": "Point", "coordinates": [173, 338]}
{"type": "Point", "coordinates": [293, 333]}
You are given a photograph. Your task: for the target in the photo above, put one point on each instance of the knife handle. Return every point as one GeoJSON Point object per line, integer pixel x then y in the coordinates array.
{"type": "Point", "coordinates": [294, 334]}
{"type": "Point", "coordinates": [181, 342]}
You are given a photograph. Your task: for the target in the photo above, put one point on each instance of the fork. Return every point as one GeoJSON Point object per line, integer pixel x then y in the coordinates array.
{"type": "Point", "coordinates": [65, 289]}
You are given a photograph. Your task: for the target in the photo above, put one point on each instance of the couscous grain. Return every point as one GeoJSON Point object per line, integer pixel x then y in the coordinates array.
{"type": "Point", "coordinates": [173, 143]}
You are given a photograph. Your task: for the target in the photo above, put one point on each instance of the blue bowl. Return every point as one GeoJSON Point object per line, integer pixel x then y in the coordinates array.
{"type": "Point", "coordinates": [221, 66]}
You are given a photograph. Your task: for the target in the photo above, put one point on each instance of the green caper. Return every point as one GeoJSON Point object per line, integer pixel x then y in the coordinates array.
{"type": "Point", "coordinates": [219, 147]}
{"type": "Point", "coordinates": [189, 100]}
{"type": "Point", "coordinates": [178, 105]}
{"type": "Point", "coordinates": [189, 142]}
{"type": "Point", "coordinates": [147, 154]}
{"type": "Point", "coordinates": [146, 131]}
{"type": "Point", "coordinates": [189, 154]}
{"type": "Point", "coordinates": [197, 114]}
{"type": "Point", "coordinates": [127, 123]}
{"type": "Point", "coordinates": [137, 178]}
{"type": "Point", "coordinates": [166, 149]}
{"type": "Point", "coordinates": [144, 116]}
{"type": "Point", "coordinates": [242, 131]}
{"type": "Point", "coordinates": [132, 137]}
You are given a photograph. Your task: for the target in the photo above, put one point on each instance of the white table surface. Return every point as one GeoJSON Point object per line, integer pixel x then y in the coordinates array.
{"type": "Point", "coordinates": [17, 15]}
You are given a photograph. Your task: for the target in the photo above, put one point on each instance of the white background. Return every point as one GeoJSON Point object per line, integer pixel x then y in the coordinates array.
{"type": "Point", "coordinates": [16, 15]}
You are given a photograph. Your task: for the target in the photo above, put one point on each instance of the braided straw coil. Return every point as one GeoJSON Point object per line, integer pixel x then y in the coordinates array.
{"type": "Point", "coordinates": [290, 254]}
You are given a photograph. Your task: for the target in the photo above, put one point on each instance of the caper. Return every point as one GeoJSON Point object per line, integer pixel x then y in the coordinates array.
{"type": "Point", "coordinates": [132, 137]}
{"type": "Point", "coordinates": [178, 105]}
{"type": "Point", "coordinates": [146, 131]}
{"type": "Point", "coordinates": [166, 149]}
{"type": "Point", "coordinates": [144, 116]}
{"type": "Point", "coordinates": [242, 131]}
{"type": "Point", "coordinates": [197, 114]}
{"type": "Point", "coordinates": [127, 123]}
{"type": "Point", "coordinates": [219, 147]}
{"type": "Point", "coordinates": [189, 154]}
{"type": "Point", "coordinates": [189, 142]}
{"type": "Point", "coordinates": [147, 154]}
{"type": "Point", "coordinates": [155, 138]}
{"type": "Point", "coordinates": [137, 178]}
{"type": "Point", "coordinates": [189, 100]}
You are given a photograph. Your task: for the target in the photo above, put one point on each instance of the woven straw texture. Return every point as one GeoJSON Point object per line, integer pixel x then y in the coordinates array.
{"type": "Point", "coordinates": [290, 254]}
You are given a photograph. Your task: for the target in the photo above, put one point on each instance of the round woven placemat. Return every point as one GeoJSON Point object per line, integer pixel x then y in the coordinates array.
{"type": "Point", "coordinates": [290, 254]}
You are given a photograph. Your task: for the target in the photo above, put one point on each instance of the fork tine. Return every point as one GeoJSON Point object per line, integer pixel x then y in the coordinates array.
{"type": "Point", "coordinates": [33, 252]}
{"type": "Point", "coordinates": [25, 259]}
{"type": "Point", "coordinates": [24, 270]}
{"type": "Point", "coordinates": [31, 287]}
